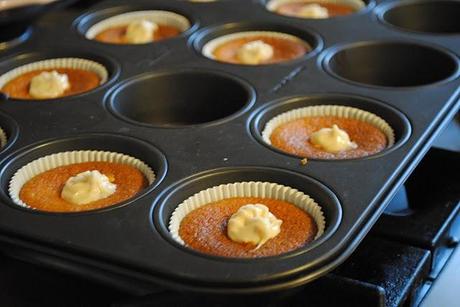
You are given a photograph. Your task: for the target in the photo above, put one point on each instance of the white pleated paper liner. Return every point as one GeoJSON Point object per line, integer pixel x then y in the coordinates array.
{"type": "Point", "coordinates": [9, 5]}
{"type": "Point", "coordinates": [3, 138]}
{"type": "Point", "coordinates": [49, 162]}
{"type": "Point", "coordinates": [209, 48]}
{"type": "Point", "coordinates": [357, 5]}
{"type": "Point", "coordinates": [50, 64]}
{"type": "Point", "coordinates": [247, 189]}
{"type": "Point", "coordinates": [329, 110]}
{"type": "Point", "coordinates": [156, 16]}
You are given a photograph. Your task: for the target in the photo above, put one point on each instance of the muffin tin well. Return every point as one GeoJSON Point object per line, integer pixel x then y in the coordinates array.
{"type": "Point", "coordinates": [9, 131]}
{"type": "Point", "coordinates": [197, 123]}
{"type": "Point", "coordinates": [138, 149]}
{"type": "Point", "coordinates": [317, 191]}
{"type": "Point", "coordinates": [205, 36]}
{"type": "Point", "coordinates": [16, 17]}
{"type": "Point", "coordinates": [356, 5]}
{"type": "Point", "coordinates": [90, 24]}
{"type": "Point", "coordinates": [392, 64]}
{"type": "Point", "coordinates": [395, 119]}
{"type": "Point", "coordinates": [18, 64]}
{"type": "Point", "coordinates": [423, 16]}
{"type": "Point", "coordinates": [180, 98]}
{"type": "Point", "coordinates": [271, 5]}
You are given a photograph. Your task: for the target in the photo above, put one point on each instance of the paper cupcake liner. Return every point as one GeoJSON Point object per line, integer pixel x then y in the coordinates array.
{"type": "Point", "coordinates": [49, 162]}
{"type": "Point", "coordinates": [329, 110]}
{"type": "Point", "coordinates": [273, 5]}
{"type": "Point", "coordinates": [159, 17]}
{"type": "Point", "coordinates": [3, 138]}
{"type": "Point", "coordinates": [74, 63]}
{"type": "Point", "coordinates": [247, 189]}
{"type": "Point", "coordinates": [210, 46]}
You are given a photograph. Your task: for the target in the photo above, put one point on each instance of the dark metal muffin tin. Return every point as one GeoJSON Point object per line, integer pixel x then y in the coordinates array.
{"type": "Point", "coordinates": [198, 122]}
{"type": "Point", "coordinates": [15, 21]}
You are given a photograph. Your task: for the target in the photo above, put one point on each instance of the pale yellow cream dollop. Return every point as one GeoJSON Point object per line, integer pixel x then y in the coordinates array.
{"type": "Point", "coordinates": [87, 187]}
{"type": "Point", "coordinates": [255, 52]}
{"type": "Point", "coordinates": [332, 139]}
{"type": "Point", "coordinates": [313, 11]}
{"type": "Point", "coordinates": [48, 85]}
{"type": "Point", "coordinates": [140, 31]}
{"type": "Point", "coordinates": [253, 223]}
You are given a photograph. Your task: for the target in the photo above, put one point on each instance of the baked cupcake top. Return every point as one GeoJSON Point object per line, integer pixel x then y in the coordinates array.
{"type": "Point", "coordinates": [328, 132]}
{"type": "Point", "coordinates": [256, 48]}
{"type": "Point", "coordinates": [54, 78]}
{"type": "Point", "coordinates": [139, 27]}
{"type": "Point", "coordinates": [315, 9]}
{"type": "Point", "coordinates": [247, 227]}
{"type": "Point", "coordinates": [234, 220]}
{"type": "Point", "coordinates": [79, 181]}
{"type": "Point", "coordinates": [82, 187]}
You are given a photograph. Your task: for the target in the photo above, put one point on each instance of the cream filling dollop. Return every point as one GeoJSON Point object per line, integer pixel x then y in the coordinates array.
{"type": "Point", "coordinates": [313, 11]}
{"type": "Point", "coordinates": [48, 85]}
{"type": "Point", "coordinates": [332, 139]}
{"type": "Point", "coordinates": [253, 223]}
{"type": "Point", "coordinates": [87, 187]}
{"type": "Point", "coordinates": [140, 32]}
{"type": "Point", "coordinates": [255, 52]}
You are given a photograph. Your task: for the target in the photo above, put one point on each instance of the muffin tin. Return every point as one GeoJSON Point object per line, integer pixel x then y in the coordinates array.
{"type": "Point", "coordinates": [16, 16]}
{"type": "Point", "coordinates": [197, 123]}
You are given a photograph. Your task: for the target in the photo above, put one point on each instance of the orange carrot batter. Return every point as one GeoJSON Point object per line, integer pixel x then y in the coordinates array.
{"type": "Point", "coordinates": [205, 229]}
{"type": "Point", "coordinates": [43, 192]}
{"type": "Point", "coordinates": [80, 81]}
{"type": "Point", "coordinates": [283, 49]}
{"type": "Point", "coordinates": [334, 9]}
{"type": "Point", "coordinates": [293, 137]}
{"type": "Point", "coordinates": [116, 35]}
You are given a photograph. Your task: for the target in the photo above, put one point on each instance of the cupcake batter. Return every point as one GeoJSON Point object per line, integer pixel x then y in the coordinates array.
{"type": "Point", "coordinates": [205, 229]}
{"type": "Point", "coordinates": [118, 34]}
{"type": "Point", "coordinates": [270, 49]}
{"type": "Point", "coordinates": [316, 10]}
{"type": "Point", "coordinates": [43, 192]}
{"type": "Point", "coordinates": [294, 137]}
{"type": "Point", "coordinates": [79, 81]}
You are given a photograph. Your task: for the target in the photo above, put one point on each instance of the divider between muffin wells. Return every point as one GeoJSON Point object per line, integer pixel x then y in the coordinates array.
{"type": "Point", "coordinates": [52, 161]}
{"type": "Point", "coordinates": [329, 110]}
{"type": "Point", "coordinates": [157, 16]}
{"type": "Point", "coordinates": [247, 189]}
{"type": "Point", "coordinates": [71, 62]}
